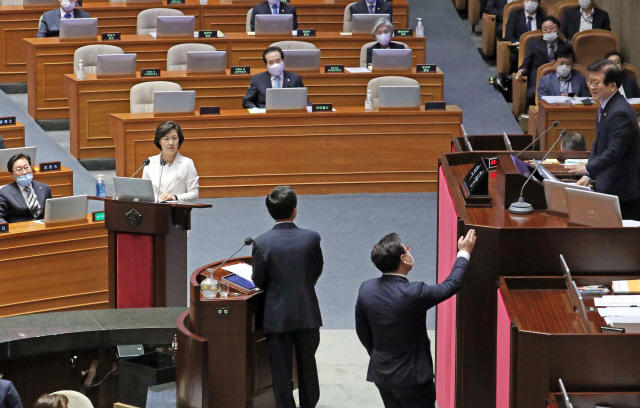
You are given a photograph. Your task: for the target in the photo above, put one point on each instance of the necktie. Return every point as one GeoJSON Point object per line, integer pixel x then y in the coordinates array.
{"type": "Point", "coordinates": [371, 9]}
{"type": "Point", "coordinates": [32, 202]}
{"type": "Point", "coordinates": [551, 53]}
{"type": "Point", "coordinates": [529, 23]}
{"type": "Point", "coordinates": [277, 83]}
{"type": "Point", "coordinates": [600, 112]}
{"type": "Point", "coordinates": [275, 9]}
{"type": "Point", "coordinates": [67, 16]}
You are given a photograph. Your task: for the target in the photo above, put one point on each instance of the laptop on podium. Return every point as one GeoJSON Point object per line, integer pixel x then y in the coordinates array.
{"type": "Point", "coordinates": [596, 210]}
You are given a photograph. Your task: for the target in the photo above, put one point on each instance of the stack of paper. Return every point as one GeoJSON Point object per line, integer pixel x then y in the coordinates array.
{"type": "Point", "coordinates": [241, 269]}
{"type": "Point", "coordinates": [557, 100]}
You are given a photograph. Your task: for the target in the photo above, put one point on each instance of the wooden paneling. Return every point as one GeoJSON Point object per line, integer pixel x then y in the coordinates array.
{"type": "Point", "coordinates": [13, 136]}
{"type": "Point", "coordinates": [53, 269]}
{"type": "Point", "coordinates": [624, 15]}
{"type": "Point", "coordinates": [92, 100]}
{"type": "Point", "coordinates": [61, 182]}
{"type": "Point", "coordinates": [348, 151]}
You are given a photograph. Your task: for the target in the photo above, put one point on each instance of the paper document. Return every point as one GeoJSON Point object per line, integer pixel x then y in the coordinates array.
{"type": "Point", "coordinates": [257, 110]}
{"type": "Point", "coordinates": [618, 300]}
{"type": "Point", "coordinates": [620, 311]}
{"type": "Point", "coordinates": [153, 34]}
{"type": "Point", "coordinates": [242, 269]}
{"type": "Point", "coordinates": [578, 100]}
{"type": "Point", "coordinates": [634, 101]}
{"type": "Point", "coordinates": [630, 223]}
{"type": "Point", "coordinates": [622, 319]}
{"type": "Point", "coordinates": [357, 70]}
{"type": "Point", "coordinates": [576, 161]}
{"type": "Point", "coordinates": [557, 100]}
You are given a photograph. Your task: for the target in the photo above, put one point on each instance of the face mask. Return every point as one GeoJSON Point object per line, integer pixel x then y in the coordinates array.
{"type": "Point", "coordinates": [563, 70]}
{"type": "Point", "coordinates": [276, 69]}
{"type": "Point", "coordinates": [68, 6]}
{"type": "Point", "coordinates": [550, 37]}
{"type": "Point", "coordinates": [412, 260]}
{"type": "Point", "coordinates": [585, 4]}
{"type": "Point", "coordinates": [383, 39]}
{"type": "Point", "coordinates": [24, 180]}
{"type": "Point", "coordinates": [530, 6]}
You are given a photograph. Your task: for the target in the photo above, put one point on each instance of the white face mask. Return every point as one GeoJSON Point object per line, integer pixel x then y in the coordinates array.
{"type": "Point", "coordinates": [273, 2]}
{"type": "Point", "coordinates": [276, 69]}
{"type": "Point", "coordinates": [530, 6]}
{"type": "Point", "coordinates": [383, 39]}
{"type": "Point", "coordinates": [68, 6]}
{"type": "Point", "coordinates": [412, 260]}
{"type": "Point", "coordinates": [550, 37]}
{"type": "Point", "coordinates": [585, 4]}
{"type": "Point", "coordinates": [563, 70]}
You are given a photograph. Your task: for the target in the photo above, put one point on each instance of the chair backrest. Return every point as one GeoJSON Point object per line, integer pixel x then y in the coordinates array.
{"type": "Point", "coordinates": [508, 9]}
{"type": "Point", "coordinates": [375, 84]}
{"type": "Point", "coordinates": [10, 2]}
{"type": "Point", "coordinates": [248, 22]}
{"type": "Point", "coordinates": [591, 45]}
{"type": "Point", "coordinates": [363, 51]}
{"type": "Point", "coordinates": [76, 400]}
{"type": "Point", "coordinates": [148, 19]}
{"type": "Point", "coordinates": [525, 39]}
{"type": "Point", "coordinates": [89, 56]}
{"type": "Point", "coordinates": [177, 55]}
{"type": "Point", "coordinates": [630, 71]}
{"type": "Point", "coordinates": [141, 96]}
{"type": "Point", "coordinates": [549, 6]}
{"type": "Point", "coordinates": [294, 45]}
{"type": "Point", "coordinates": [563, 6]}
{"type": "Point", "coordinates": [346, 20]}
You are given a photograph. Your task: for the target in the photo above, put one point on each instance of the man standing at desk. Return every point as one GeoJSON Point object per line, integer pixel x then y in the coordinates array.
{"type": "Point", "coordinates": [50, 24]}
{"type": "Point", "coordinates": [614, 162]}
{"type": "Point", "coordinates": [24, 199]}
{"type": "Point", "coordinates": [287, 262]}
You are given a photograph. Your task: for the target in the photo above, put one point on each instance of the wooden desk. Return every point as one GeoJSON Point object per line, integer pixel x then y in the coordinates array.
{"type": "Point", "coordinates": [48, 60]}
{"type": "Point", "coordinates": [490, 143]}
{"type": "Point", "coordinates": [92, 100]}
{"type": "Point", "coordinates": [53, 269]}
{"type": "Point", "coordinates": [61, 182]}
{"type": "Point", "coordinates": [348, 151]}
{"type": "Point", "coordinates": [591, 399]}
{"type": "Point", "coordinates": [13, 136]}
{"type": "Point", "coordinates": [507, 245]}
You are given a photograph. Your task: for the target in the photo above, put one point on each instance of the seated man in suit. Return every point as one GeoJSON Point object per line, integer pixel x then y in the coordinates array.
{"type": "Point", "coordinates": [372, 7]}
{"type": "Point", "coordinates": [275, 77]}
{"type": "Point", "coordinates": [24, 199]}
{"type": "Point", "coordinates": [629, 88]}
{"type": "Point", "coordinates": [382, 30]}
{"type": "Point", "coordinates": [9, 397]}
{"type": "Point", "coordinates": [565, 80]}
{"type": "Point", "coordinates": [573, 142]}
{"type": "Point", "coordinates": [496, 7]}
{"type": "Point", "coordinates": [391, 314]}
{"type": "Point", "coordinates": [520, 22]}
{"type": "Point", "coordinates": [583, 18]}
{"type": "Point", "coordinates": [273, 7]}
{"type": "Point", "coordinates": [539, 52]}
{"type": "Point", "coordinates": [50, 24]}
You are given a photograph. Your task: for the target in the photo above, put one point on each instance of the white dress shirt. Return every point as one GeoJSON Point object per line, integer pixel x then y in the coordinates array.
{"type": "Point", "coordinates": [62, 14]}
{"type": "Point", "coordinates": [273, 80]}
{"type": "Point", "coordinates": [565, 84]}
{"type": "Point", "coordinates": [534, 24]}
{"type": "Point", "coordinates": [178, 178]}
{"type": "Point", "coordinates": [586, 20]}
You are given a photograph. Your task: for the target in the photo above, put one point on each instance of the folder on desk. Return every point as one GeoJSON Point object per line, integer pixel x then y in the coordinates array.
{"type": "Point", "coordinates": [626, 286]}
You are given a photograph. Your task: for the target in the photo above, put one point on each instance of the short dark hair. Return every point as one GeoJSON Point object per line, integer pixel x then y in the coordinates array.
{"type": "Point", "coordinates": [612, 53]}
{"type": "Point", "coordinates": [281, 202]}
{"type": "Point", "coordinates": [271, 49]}
{"type": "Point", "coordinates": [565, 51]}
{"type": "Point", "coordinates": [386, 254]}
{"type": "Point", "coordinates": [163, 129]}
{"type": "Point", "coordinates": [52, 401]}
{"type": "Point", "coordinates": [610, 70]}
{"type": "Point", "coordinates": [574, 142]}
{"type": "Point", "coordinates": [552, 19]}
{"type": "Point", "coordinates": [15, 158]}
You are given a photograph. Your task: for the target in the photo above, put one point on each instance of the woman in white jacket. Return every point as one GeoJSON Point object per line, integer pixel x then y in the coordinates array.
{"type": "Point", "coordinates": [173, 176]}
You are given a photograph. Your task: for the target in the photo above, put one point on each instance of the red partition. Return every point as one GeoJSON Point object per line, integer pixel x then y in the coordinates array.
{"type": "Point", "coordinates": [135, 270]}
{"type": "Point", "coordinates": [503, 354]}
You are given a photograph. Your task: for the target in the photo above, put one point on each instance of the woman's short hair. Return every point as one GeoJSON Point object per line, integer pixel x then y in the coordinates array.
{"type": "Point", "coordinates": [386, 254]}
{"type": "Point", "coordinates": [381, 22]}
{"type": "Point", "coordinates": [163, 129]}
{"type": "Point", "coordinates": [51, 401]}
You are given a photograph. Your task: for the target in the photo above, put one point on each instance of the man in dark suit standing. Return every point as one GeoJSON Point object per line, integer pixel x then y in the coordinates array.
{"type": "Point", "coordinates": [372, 7]}
{"type": "Point", "coordinates": [273, 7]}
{"type": "Point", "coordinates": [9, 397]}
{"type": "Point", "coordinates": [614, 162]}
{"type": "Point", "coordinates": [585, 17]}
{"type": "Point", "coordinates": [391, 315]}
{"type": "Point", "coordinates": [50, 24]}
{"type": "Point", "coordinates": [287, 262]}
{"type": "Point", "coordinates": [519, 22]}
{"type": "Point", "coordinates": [24, 199]}
{"type": "Point", "coordinates": [275, 77]}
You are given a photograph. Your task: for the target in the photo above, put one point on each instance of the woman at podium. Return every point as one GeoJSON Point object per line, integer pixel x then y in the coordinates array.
{"type": "Point", "coordinates": [173, 176]}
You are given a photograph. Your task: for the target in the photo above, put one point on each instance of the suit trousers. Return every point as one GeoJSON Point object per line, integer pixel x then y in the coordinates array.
{"type": "Point", "coordinates": [417, 396]}
{"type": "Point", "coordinates": [281, 346]}
{"type": "Point", "coordinates": [630, 209]}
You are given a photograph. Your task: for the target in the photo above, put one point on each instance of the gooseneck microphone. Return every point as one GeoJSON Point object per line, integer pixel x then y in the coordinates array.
{"type": "Point", "coordinates": [162, 163]}
{"type": "Point", "coordinates": [247, 241]}
{"type": "Point", "coordinates": [144, 163]}
{"type": "Point", "coordinates": [521, 206]}
{"type": "Point", "coordinates": [554, 124]}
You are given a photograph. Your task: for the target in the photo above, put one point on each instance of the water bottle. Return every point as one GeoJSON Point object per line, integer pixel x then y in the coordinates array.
{"type": "Point", "coordinates": [100, 187]}
{"type": "Point", "coordinates": [419, 28]}
{"type": "Point", "coordinates": [368, 103]}
{"type": "Point", "coordinates": [80, 71]}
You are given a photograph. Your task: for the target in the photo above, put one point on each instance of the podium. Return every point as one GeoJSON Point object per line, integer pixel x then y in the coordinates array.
{"type": "Point", "coordinates": [147, 252]}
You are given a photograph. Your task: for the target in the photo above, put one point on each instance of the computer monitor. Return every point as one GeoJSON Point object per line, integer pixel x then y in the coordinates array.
{"type": "Point", "coordinates": [134, 189]}
{"type": "Point", "coordinates": [175, 26]}
{"type": "Point", "coordinates": [403, 96]}
{"type": "Point", "coordinates": [554, 193]}
{"type": "Point", "coordinates": [286, 99]}
{"type": "Point", "coordinates": [574, 296]}
{"type": "Point", "coordinates": [362, 23]}
{"type": "Point", "coordinates": [274, 24]}
{"type": "Point", "coordinates": [116, 64]}
{"type": "Point", "coordinates": [40, 3]}
{"type": "Point", "coordinates": [174, 101]}
{"type": "Point", "coordinates": [6, 154]}
{"type": "Point", "coordinates": [507, 142]}
{"type": "Point", "coordinates": [79, 29]}
{"type": "Point", "coordinates": [66, 209]}
{"type": "Point", "coordinates": [593, 209]}
{"type": "Point", "coordinates": [391, 60]}
{"type": "Point", "coordinates": [302, 60]}
{"type": "Point", "coordinates": [206, 62]}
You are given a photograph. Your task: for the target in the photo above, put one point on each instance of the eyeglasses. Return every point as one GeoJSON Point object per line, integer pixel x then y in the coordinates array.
{"type": "Point", "coordinates": [22, 170]}
{"type": "Point", "coordinates": [593, 84]}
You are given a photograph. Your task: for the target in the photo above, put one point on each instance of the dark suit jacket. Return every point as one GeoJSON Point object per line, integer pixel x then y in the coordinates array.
{"type": "Point", "coordinates": [631, 89]}
{"type": "Point", "coordinates": [287, 262]}
{"type": "Point", "coordinates": [9, 397]}
{"type": "Point", "coordinates": [50, 25]}
{"type": "Point", "coordinates": [13, 207]}
{"type": "Point", "coordinates": [265, 8]}
{"type": "Point", "coordinates": [496, 7]}
{"type": "Point", "coordinates": [256, 96]}
{"type": "Point", "coordinates": [2, 146]}
{"type": "Point", "coordinates": [535, 57]}
{"type": "Point", "coordinates": [376, 46]}
{"type": "Point", "coordinates": [517, 24]}
{"type": "Point", "coordinates": [549, 85]}
{"type": "Point", "coordinates": [571, 21]}
{"type": "Point", "coordinates": [391, 315]}
{"type": "Point", "coordinates": [614, 162]}
{"type": "Point", "coordinates": [382, 7]}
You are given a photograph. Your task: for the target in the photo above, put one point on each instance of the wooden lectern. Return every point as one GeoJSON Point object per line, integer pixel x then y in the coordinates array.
{"type": "Point", "coordinates": [147, 252]}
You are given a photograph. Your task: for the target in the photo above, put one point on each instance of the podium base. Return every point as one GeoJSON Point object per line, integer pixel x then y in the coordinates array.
{"type": "Point", "coordinates": [521, 207]}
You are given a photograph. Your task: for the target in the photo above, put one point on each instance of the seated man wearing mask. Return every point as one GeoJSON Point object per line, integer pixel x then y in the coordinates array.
{"type": "Point", "coordinates": [275, 77]}
{"type": "Point", "coordinates": [24, 199]}
{"type": "Point", "coordinates": [629, 88]}
{"type": "Point", "coordinates": [539, 52]}
{"type": "Point", "coordinates": [565, 80]}
{"type": "Point", "coordinates": [372, 7]}
{"type": "Point", "coordinates": [381, 31]}
{"type": "Point", "coordinates": [50, 24]}
{"type": "Point", "coordinates": [273, 7]}
{"type": "Point", "coordinates": [585, 17]}
{"type": "Point", "coordinates": [522, 21]}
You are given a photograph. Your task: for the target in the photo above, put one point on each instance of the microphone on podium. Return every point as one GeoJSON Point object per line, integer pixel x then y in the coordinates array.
{"type": "Point", "coordinates": [554, 124]}
{"type": "Point", "coordinates": [144, 163]}
{"type": "Point", "coordinates": [521, 206]}
{"type": "Point", "coordinates": [247, 241]}
{"type": "Point", "coordinates": [162, 163]}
